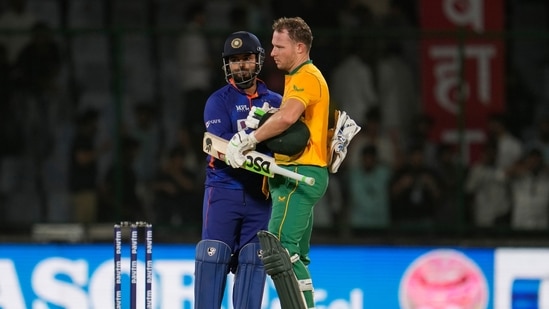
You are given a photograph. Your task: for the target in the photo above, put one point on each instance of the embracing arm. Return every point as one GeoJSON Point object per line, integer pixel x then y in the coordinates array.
{"type": "Point", "coordinates": [287, 115]}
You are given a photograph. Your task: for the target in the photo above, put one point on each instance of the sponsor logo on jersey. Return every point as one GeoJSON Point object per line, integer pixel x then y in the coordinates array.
{"type": "Point", "coordinates": [242, 108]}
{"type": "Point", "coordinates": [213, 121]}
{"type": "Point", "coordinates": [298, 89]}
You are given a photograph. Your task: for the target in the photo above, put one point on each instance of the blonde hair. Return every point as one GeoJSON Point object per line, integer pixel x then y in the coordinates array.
{"type": "Point", "coordinates": [297, 28]}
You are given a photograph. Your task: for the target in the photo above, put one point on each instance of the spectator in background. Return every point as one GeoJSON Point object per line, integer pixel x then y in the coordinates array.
{"type": "Point", "coordinates": [118, 190]}
{"type": "Point", "coordinates": [259, 14]}
{"type": "Point", "coordinates": [397, 92]}
{"type": "Point", "coordinates": [329, 211]}
{"type": "Point", "coordinates": [388, 148]}
{"type": "Point", "coordinates": [38, 64]}
{"type": "Point", "coordinates": [541, 139]}
{"type": "Point", "coordinates": [35, 71]}
{"type": "Point", "coordinates": [10, 131]}
{"type": "Point", "coordinates": [420, 136]}
{"type": "Point", "coordinates": [83, 172]}
{"type": "Point", "coordinates": [352, 15]}
{"type": "Point", "coordinates": [34, 74]}
{"type": "Point", "coordinates": [369, 196]}
{"type": "Point", "coordinates": [529, 182]}
{"type": "Point", "coordinates": [195, 72]}
{"type": "Point", "coordinates": [486, 189]}
{"type": "Point", "coordinates": [352, 86]}
{"type": "Point", "coordinates": [11, 135]}
{"type": "Point", "coordinates": [18, 19]}
{"type": "Point", "coordinates": [250, 14]}
{"type": "Point", "coordinates": [402, 18]}
{"type": "Point", "coordinates": [146, 132]}
{"type": "Point", "coordinates": [450, 173]}
{"type": "Point", "coordinates": [509, 148]}
{"type": "Point", "coordinates": [177, 199]}
{"type": "Point", "coordinates": [415, 191]}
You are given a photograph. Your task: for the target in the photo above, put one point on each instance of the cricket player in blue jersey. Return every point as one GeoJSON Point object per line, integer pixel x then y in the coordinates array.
{"type": "Point", "coordinates": [234, 206]}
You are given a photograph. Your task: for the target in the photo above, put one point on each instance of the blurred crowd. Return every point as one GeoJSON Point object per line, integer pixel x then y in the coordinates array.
{"type": "Point", "coordinates": [409, 181]}
{"type": "Point", "coordinates": [84, 145]}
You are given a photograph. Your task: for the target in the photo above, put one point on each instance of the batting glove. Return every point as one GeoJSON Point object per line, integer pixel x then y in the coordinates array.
{"type": "Point", "coordinates": [345, 129]}
{"type": "Point", "coordinates": [256, 113]}
{"type": "Point", "coordinates": [239, 143]}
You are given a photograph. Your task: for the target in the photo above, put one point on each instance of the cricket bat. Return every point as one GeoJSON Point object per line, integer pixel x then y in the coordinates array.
{"type": "Point", "coordinates": [255, 161]}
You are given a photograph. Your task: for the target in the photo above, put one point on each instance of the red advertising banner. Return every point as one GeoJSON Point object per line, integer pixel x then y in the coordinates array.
{"type": "Point", "coordinates": [462, 63]}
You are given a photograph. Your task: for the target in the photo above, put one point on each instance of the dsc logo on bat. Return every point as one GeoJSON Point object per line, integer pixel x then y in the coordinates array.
{"type": "Point", "coordinates": [258, 164]}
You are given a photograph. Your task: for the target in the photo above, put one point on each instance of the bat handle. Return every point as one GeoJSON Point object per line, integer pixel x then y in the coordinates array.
{"type": "Point", "coordinates": [309, 180]}
{"type": "Point", "coordinates": [293, 175]}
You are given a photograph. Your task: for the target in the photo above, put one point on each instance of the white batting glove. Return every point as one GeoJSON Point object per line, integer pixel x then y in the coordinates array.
{"type": "Point", "coordinates": [256, 113]}
{"type": "Point", "coordinates": [239, 143]}
{"type": "Point", "coordinates": [345, 129]}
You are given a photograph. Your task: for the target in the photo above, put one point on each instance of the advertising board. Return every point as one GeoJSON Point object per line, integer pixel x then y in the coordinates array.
{"type": "Point", "coordinates": [344, 277]}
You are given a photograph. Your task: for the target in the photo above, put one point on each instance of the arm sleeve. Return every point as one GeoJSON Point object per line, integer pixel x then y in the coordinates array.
{"type": "Point", "coordinates": [217, 118]}
{"type": "Point", "coordinates": [304, 88]}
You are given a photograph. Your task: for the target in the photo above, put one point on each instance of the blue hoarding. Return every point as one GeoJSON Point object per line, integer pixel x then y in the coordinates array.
{"type": "Point", "coordinates": [344, 277]}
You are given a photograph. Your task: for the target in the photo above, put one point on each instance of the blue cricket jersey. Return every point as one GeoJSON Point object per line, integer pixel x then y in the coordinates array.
{"type": "Point", "coordinates": [224, 115]}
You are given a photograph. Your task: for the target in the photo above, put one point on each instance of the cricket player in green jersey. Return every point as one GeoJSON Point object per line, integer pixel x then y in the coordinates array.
{"type": "Point", "coordinates": [306, 98]}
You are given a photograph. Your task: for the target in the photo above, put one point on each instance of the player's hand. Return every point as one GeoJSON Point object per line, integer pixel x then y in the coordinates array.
{"type": "Point", "coordinates": [239, 143]}
{"type": "Point", "coordinates": [256, 113]}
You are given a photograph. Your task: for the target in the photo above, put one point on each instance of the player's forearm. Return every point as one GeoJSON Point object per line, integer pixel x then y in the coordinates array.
{"type": "Point", "coordinates": [272, 127]}
{"type": "Point", "coordinates": [279, 121]}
